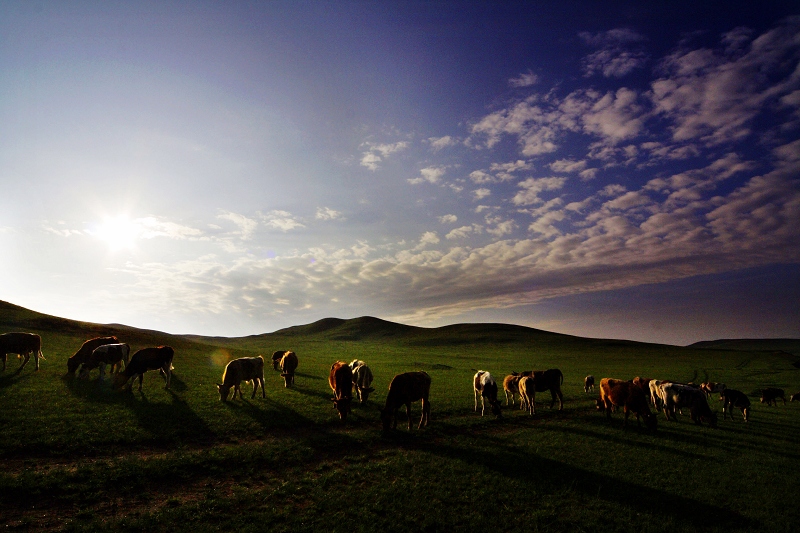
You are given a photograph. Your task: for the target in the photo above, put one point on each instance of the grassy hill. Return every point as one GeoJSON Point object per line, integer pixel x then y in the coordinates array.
{"type": "Point", "coordinates": [80, 456]}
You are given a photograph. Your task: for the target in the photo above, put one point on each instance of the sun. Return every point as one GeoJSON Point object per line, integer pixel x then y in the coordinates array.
{"type": "Point", "coordinates": [120, 233]}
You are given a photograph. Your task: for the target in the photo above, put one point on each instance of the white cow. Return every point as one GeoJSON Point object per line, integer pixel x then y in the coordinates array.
{"type": "Point", "coordinates": [486, 388]}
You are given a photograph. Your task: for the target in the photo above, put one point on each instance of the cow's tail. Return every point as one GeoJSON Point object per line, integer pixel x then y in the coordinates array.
{"type": "Point", "coordinates": [562, 376]}
{"type": "Point", "coordinates": [40, 355]}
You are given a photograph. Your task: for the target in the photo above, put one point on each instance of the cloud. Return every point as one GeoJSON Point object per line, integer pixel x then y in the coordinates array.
{"type": "Point", "coordinates": [282, 220]}
{"type": "Point", "coordinates": [532, 187]}
{"type": "Point", "coordinates": [326, 213]}
{"type": "Point", "coordinates": [429, 174]}
{"type": "Point", "coordinates": [482, 193]}
{"type": "Point", "coordinates": [567, 165]}
{"type": "Point", "coordinates": [615, 58]}
{"type": "Point", "coordinates": [439, 143]}
{"type": "Point", "coordinates": [526, 79]}
{"type": "Point", "coordinates": [247, 226]}
{"type": "Point", "coordinates": [378, 152]}
{"type": "Point", "coordinates": [448, 219]}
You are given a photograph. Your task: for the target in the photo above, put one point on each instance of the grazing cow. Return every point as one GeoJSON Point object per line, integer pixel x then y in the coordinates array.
{"type": "Point", "coordinates": [362, 379]}
{"type": "Point", "coordinates": [676, 396]}
{"type": "Point", "coordinates": [485, 387]}
{"type": "Point", "coordinates": [770, 396]}
{"type": "Point", "coordinates": [341, 381]}
{"type": "Point", "coordinates": [86, 349]}
{"type": "Point", "coordinates": [403, 390]}
{"type": "Point", "coordinates": [527, 394]}
{"type": "Point", "coordinates": [711, 387]}
{"type": "Point", "coordinates": [588, 383]}
{"type": "Point", "coordinates": [276, 359]}
{"type": "Point", "coordinates": [107, 354]}
{"type": "Point", "coordinates": [616, 392]}
{"type": "Point", "coordinates": [159, 358]}
{"type": "Point", "coordinates": [551, 380]}
{"type": "Point", "coordinates": [655, 393]}
{"type": "Point", "coordinates": [22, 344]}
{"type": "Point", "coordinates": [288, 366]}
{"type": "Point", "coordinates": [795, 396]}
{"type": "Point", "coordinates": [242, 369]}
{"type": "Point", "coordinates": [731, 398]}
{"type": "Point", "coordinates": [511, 387]}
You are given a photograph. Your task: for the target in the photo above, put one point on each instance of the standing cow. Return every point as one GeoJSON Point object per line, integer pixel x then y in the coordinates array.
{"type": "Point", "coordinates": [23, 344]}
{"type": "Point", "coordinates": [588, 383]}
{"type": "Point", "coordinates": [676, 396]}
{"type": "Point", "coordinates": [86, 349]}
{"type": "Point", "coordinates": [731, 398]}
{"type": "Point", "coordinates": [485, 386]}
{"type": "Point", "coordinates": [770, 396]}
{"type": "Point", "coordinates": [242, 369]}
{"type": "Point", "coordinates": [403, 390]}
{"type": "Point", "coordinates": [107, 354]}
{"type": "Point", "coordinates": [288, 366]}
{"type": "Point", "coordinates": [159, 358]}
{"type": "Point", "coordinates": [511, 387]}
{"type": "Point", "coordinates": [276, 359]}
{"type": "Point", "coordinates": [616, 392]}
{"type": "Point", "coordinates": [362, 379]}
{"type": "Point", "coordinates": [340, 380]}
{"type": "Point", "coordinates": [544, 380]}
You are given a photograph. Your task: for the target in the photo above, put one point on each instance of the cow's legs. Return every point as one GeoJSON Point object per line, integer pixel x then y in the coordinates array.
{"type": "Point", "coordinates": [408, 414]}
{"type": "Point", "coordinates": [426, 413]}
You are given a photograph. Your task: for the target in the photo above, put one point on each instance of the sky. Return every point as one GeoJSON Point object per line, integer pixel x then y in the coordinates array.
{"type": "Point", "coordinates": [602, 169]}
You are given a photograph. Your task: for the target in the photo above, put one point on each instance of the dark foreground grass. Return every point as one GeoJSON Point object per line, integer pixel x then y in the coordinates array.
{"type": "Point", "coordinates": [79, 456]}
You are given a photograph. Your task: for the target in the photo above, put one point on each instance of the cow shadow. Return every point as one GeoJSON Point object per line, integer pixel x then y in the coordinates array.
{"type": "Point", "coordinates": [168, 422]}
{"type": "Point", "coordinates": [308, 376]}
{"type": "Point", "coordinates": [557, 477]}
{"type": "Point", "coordinates": [7, 379]}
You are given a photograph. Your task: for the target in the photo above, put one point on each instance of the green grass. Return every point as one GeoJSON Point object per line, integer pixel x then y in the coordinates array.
{"type": "Point", "coordinates": [78, 456]}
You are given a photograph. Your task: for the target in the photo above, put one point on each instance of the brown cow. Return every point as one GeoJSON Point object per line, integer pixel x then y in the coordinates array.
{"type": "Point", "coordinates": [276, 359]}
{"type": "Point", "coordinates": [403, 390]}
{"type": "Point", "coordinates": [770, 396]}
{"type": "Point", "coordinates": [288, 366]}
{"type": "Point", "coordinates": [511, 387]}
{"type": "Point", "coordinates": [710, 387]}
{"type": "Point", "coordinates": [731, 398]}
{"type": "Point", "coordinates": [86, 349]}
{"type": "Point", "coordinates": [340, 380]}
{"type": "Point", "coordinates": [107, 354]}
{"type": "Point", "coordinates": [616, 392]}
{"type": "Point", "coordinates": [242, 369]}
{"type": "Point", "coordinates": [159, 358]}
{"type": "Point", "coordinates": [23, 344]}
{"type": "Point", "coordinates": [527, 394]}
{"type": "Point", "coordinates": [551, 380]}
{"type": "Point", "coordinates": [795, 396]}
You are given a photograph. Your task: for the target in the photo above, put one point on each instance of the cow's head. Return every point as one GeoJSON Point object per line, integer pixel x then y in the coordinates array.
{"type": "Point", "coordinates": [365, 393]}
{"type": "Point", "coordinates": [288, 379]}
{"type": "Point", "coordinates": [84, 373]}
{"type": "Point", "coordinates": [224, 391]}
{"type": "Point", "coordinates": [496, 411]}
{"type": "Point", "coordinates": [651, 421]}
{"type": "Point", "coordinates": [386, 418]}
{"type": "Point", "coordinates": [343, 406]}
{"type": "Point", "coordinates": [600, 405]}
{"type": "Point", "coordinates": [711, 419]}
{"type": "Point", "coordinates": [72, 365]}
{"type": "Point", "coordinates": [120, 380]}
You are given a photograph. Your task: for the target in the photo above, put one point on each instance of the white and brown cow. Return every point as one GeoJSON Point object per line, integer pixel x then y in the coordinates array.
{"type": "Point", "coordinates": [107, 354]}
{"type": "Point", "coordinates": [588, 383]}
{"type": "Point", "coordinates": [288, 366]}
{"type": "Point", "coordinates": [362, 379]}
{"type": "Point", "coordinates": [276, 358]}
{"type": "Point", "coordinates": [340, 380]}
{"type": "Point", "coordinates": [242, 369]}
{"type": "Point", "coordinates": [22, 344]}
{"type": "Point", "coordinates": [712, 387]}
{"type": "Point", "coordinates": [157, 358]}
{"type": "Point", "coordinates": [403, 390]}
{"type": "Point", "coordinates": [86, 349]}
{"type": "Point", "coordinates": [677, 396]}
{"type": "Point", "coordinates": [485, 387]}
{"type": "Point", "coordinates": [527, 394]}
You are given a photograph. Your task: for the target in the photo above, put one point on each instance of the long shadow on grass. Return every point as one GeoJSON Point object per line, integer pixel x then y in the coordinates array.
{"type": "Point", "coordinates": [557, 477]}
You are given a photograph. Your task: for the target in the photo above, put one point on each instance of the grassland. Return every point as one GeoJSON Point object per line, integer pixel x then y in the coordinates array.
{"type": "Point", "coordinates": [78, 456]}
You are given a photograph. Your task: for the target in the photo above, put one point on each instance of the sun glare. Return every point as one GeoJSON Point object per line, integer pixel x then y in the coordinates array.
{"type": "Point", "coordinates": [120, 233]}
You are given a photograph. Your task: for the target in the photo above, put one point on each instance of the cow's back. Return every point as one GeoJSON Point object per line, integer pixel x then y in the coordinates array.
{"type": "Point", "coordinates": [409, 387]}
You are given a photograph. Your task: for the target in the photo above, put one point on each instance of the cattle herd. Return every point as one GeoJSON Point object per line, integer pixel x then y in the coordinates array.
{"type": "Point", "coordinates": [634, 396]}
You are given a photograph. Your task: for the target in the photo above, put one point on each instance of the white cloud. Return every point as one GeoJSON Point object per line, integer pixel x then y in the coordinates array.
{"type": "Point", "coordinates": [429, 174]}
{"type": "Point", "coordinates": [567, 165]}
{"type": "Point", "coordinates": [326, 213]}
{"type": "Point", "coordinates": [480, 194]}
{"type": "Point", "coordinates": [448, 219]}
{"type": "Point", "coordinates": [247, 226]}
{"type": "Point", "coordinates": [615, 57]}
{"type": "Point", "coordinates": [439, 143]}
{"type": "Point", "coordinates": [532, 187]}
{"type": "Point", "coordinates": [526, 79]}
{"type": "Point", "coordinates": [378, 152]}
{"type": "Point", "coordinates": [282, 220]}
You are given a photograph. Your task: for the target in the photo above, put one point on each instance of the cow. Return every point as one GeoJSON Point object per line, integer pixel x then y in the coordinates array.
{"type": "Point", "coordinates": [107, 354]}
{"type": "Point", "coordinates": [362, 379]}
{"type": "Point", "coordinates": [340, 380]}
{"type": "Point", "coordinates": [86, 349]}
{"type": "Point", "coordinates": [616, 392]}
{"type": "Point", "coordinates": [711, 387]}
{"type": "Point", "coordinates": [276, 359]}
{"type": "Point", "coordinates": [511, 387]}
{"type": "Point", "coordinates": [403, 390]}
{"type": "Point", "coordinates": [588, 383]}
{"type": "Point", "coordinates": [795, 396]}
{"type": "Point", "coordinates": [770, 396]}
{"type": "Point", "coordinates": [242, 369]}
{"type": "Point", "coordinates": [731, 398]}
{"type": "Point", "coordinates": [527, 394]}
{"type": "Point", "coordinates": [676, 396]}
{"type": "Point", "coordinates": [288, 366]}
{"type": "Point", "coordinates": [22, 344]}
{"type": "Point", "coordinates": [655, 393]}
{"type": "Point", "coordinates": [485, 387]}
{"type": "Point", "coordinates": [551, 380]}
{"type": "Point", "coordinates": [158, 358]}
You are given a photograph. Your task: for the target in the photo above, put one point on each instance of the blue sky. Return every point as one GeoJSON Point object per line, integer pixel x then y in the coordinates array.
{"type": "Point", "coordinates": [599, 169]}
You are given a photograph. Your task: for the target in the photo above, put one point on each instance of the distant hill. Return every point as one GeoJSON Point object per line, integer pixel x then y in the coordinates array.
{"type": "Point", "coordinates": [366, 328]}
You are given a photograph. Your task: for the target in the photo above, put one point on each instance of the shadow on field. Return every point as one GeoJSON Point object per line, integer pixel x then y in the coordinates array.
{"type": "Point", "coordinates": [556, 477]}
{"type": "Point", "coordinates": [307, 376]}
{"type": "Point", "coordinates": [10, 378]}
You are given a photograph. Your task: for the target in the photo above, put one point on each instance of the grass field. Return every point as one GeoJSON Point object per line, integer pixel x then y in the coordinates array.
{"type": "Point", "coordinates": [79, 456]}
